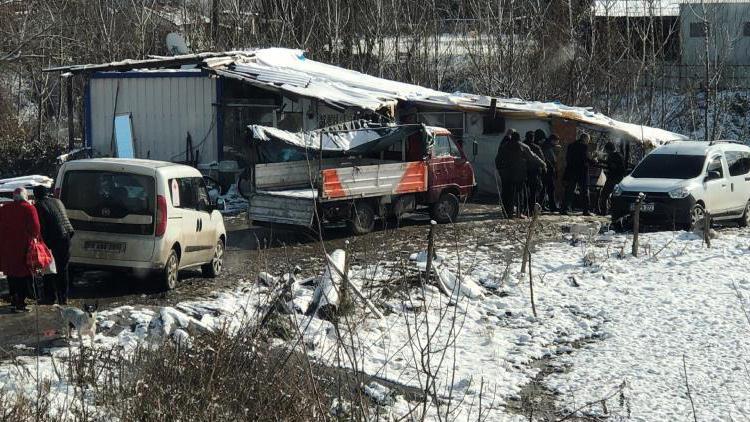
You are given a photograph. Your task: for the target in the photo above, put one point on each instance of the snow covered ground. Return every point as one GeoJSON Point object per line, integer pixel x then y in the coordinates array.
{"type": "Point", "coordinates": [619, 327]}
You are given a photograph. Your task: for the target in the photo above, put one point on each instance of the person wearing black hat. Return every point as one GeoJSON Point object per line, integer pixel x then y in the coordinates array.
{"type": "Point", "coordinates": [535, 172]}
{"type": "Point", "coordinates": [56, 233]}
{"type": "Point", "coordinates": [614, 169]}
{"type": "Point", "coordinates": [549, 152]}
{"type": "Point", "coordinates": [577, 163]}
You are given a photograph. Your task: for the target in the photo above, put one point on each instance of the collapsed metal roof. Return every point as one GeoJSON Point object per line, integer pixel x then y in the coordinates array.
{"type": "Point", "coordinates": [289, 71]}
{"type": "Point", "coordinates": [356, 137]}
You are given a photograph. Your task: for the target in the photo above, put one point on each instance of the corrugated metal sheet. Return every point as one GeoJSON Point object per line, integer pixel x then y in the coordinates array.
{"type": "Point", "coordinates": [164, 110]}
{"type": "Point", "coordinates": [280, 208]}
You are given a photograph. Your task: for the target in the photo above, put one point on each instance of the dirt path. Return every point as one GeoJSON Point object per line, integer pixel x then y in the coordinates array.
{"type": "Point", "coordinates": [275, 250]}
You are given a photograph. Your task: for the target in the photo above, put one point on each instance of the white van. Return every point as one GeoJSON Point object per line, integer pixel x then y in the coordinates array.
{"type": "Point", "coordinates": [141, 215]}
{"type": "Point", "coordinates": [684, 180]}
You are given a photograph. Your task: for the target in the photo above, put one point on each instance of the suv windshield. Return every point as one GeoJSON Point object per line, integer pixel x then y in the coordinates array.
{"type": "Point", "coordinates": [669, 166]}
{"type": "Point", "coordinates": [108, 194]}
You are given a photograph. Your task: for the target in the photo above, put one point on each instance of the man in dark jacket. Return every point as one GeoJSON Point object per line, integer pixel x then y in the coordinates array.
{"type": "Point", "coordinates": [614, 169]}
{"type": "Point", "coordinates": [549, 153]}
{"type": "Point", "coordinates": [56, 233]}
{"type": "Point", "coordinates": [577, 173]}
{"type": "Point", "coordinates": [512, 161]}
{"type": "Point", "coordinates": [535, 172]}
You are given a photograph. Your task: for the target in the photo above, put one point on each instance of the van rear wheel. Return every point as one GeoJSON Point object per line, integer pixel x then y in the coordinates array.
{"type": "Point", "coordinates": [213, 269]}
{"type": "Point", "coordinates": [170, 273]}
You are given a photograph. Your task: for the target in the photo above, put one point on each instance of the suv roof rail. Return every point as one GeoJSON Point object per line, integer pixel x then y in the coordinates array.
{"type": "Point", "coordinates": [728, 141]}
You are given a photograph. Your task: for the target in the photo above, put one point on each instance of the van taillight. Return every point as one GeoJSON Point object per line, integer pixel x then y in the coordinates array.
{"type": "Point", "coordinates": [161, 215]}
{"type": "Point", "coordinates": [56, 193]}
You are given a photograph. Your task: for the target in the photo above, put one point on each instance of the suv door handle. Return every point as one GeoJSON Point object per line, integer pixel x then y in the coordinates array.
{"type": "Point", "coordinates": [199, 225]}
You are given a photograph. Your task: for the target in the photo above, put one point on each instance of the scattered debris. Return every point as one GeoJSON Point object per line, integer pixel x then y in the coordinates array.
{"type": "Point", "coordinates": [379, 394]}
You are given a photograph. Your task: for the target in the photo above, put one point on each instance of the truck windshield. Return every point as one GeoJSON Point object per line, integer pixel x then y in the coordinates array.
{"type": "Point", "coordinates": [108, 194]}
{"type": "Point", "coordinates": [669, 166]}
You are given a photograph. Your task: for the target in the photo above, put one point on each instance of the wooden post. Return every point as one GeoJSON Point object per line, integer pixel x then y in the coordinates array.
{"type": "Point", "coordinates": [531, 288]}
{"type": "Point", "coordinates": [345, 301]}
{"type": "Point", "coordinates": [529, 237]}
{"type": "Point", "coordinates": [636, 222]}
{"type": "Point", "coordinates": [707, 229]}
{"type": "Point", "coordinates": [69, 107]}
{"type": "Point", "coordinates": [430, 250]}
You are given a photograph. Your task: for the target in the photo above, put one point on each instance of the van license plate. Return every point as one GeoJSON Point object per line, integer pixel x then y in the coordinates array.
{"type": "Point", "coordinates": [644, 207]}
{"type": "Point", "coordinates": [109, 247]}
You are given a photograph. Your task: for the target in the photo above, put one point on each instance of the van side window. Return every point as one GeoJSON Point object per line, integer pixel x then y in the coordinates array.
{"type": "Point", "coordinates": [186, 192]}
{"type": "Point", "coordinates": [715, 165]}
{"type": "Point", "coordinates": [200, 191]}
{"type": "Point", "coordinates": [739, 162]}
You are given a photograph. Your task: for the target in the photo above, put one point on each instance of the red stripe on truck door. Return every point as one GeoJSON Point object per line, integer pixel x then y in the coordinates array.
{"type": "Point", "coordinates": [414, 178]}
{"type": "Point", "coordinates": [332, 187]}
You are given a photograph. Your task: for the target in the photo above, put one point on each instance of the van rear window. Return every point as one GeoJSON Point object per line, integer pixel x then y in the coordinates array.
{"type": "Point", "coordinates": [108, 194]}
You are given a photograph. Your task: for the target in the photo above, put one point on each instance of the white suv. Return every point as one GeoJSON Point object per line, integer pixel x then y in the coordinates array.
{"type": "Point", "coordinates": [684, 180]}
{"type": "Point", "coordinates": [141, 215]}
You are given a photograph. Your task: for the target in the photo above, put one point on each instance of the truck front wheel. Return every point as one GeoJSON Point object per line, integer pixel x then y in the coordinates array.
{"type": "Point", "coordinates": [363, 218]}
{"type": "Point", "coordinates": [445, 210]}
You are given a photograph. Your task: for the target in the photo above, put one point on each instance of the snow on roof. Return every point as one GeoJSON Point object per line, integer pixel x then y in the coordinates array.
{"type": "Point", "coordinates": [637, 8]}
{"type": "Point", "coordinates": [646, 8]}
{"type": "Point", "coordinates": [289, 71]}
{"type": "Point", "coordinates": [28, 182]}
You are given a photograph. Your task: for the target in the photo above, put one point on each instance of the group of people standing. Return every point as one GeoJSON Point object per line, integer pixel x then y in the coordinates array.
{"type": "Point", "coordinates": [21, 223]}
{"type": "Point", "coordinates": [529, 172]}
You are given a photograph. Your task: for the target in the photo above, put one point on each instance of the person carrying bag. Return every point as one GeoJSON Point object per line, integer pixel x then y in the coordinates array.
{"type": "Point", "coordinates": [19, 227]}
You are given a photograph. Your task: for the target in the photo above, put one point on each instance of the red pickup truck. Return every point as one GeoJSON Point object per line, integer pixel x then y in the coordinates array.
{"type": "Point", "coordinates": [387, 177]}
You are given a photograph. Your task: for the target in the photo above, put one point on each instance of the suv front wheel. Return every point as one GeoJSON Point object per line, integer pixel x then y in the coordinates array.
{"type": "Point", "coordinates": [744, 221]}
{"type": "Point", "coordinates": [697, 213]}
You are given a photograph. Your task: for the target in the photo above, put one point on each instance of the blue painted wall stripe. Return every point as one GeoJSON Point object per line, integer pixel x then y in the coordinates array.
{"type": "Point", "coordinates": [219, 119]}
{"type": "Point", "coordinates": [87, 107]}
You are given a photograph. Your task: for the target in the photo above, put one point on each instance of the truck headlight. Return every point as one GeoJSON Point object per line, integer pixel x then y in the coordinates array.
{"type": "Point", "coordinates": [617, 191]}
{"type": "Point", "coordinates": [679, 193]}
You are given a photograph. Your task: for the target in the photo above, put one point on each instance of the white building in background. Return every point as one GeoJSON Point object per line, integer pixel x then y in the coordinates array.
{"type": "Point", "coordinates": [721, 29]}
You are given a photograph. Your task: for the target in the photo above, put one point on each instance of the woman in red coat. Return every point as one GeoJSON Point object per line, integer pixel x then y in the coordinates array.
{"type": "Point", "coordinates": [19, 225]}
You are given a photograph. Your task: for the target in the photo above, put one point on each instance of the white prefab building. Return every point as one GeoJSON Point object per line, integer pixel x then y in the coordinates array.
{"type": "Point", "coordinates": [164, 107]}
{"type": "Point", "coordinates": [719, 31]}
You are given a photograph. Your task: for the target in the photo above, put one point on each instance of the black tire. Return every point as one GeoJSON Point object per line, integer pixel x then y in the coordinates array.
{"type": "Point", "coordinates": [170, 274]}
{"type": "Point", "coordinates": [363, 218]}
{"type": "Point", "coordinates": [445, 210]}
{"type": "Point", "coordinates": [697, 213]}
{"type": "Point", "coordinates": [744, 221]}
{"type": "Point", "coordinates": [213, 269]}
